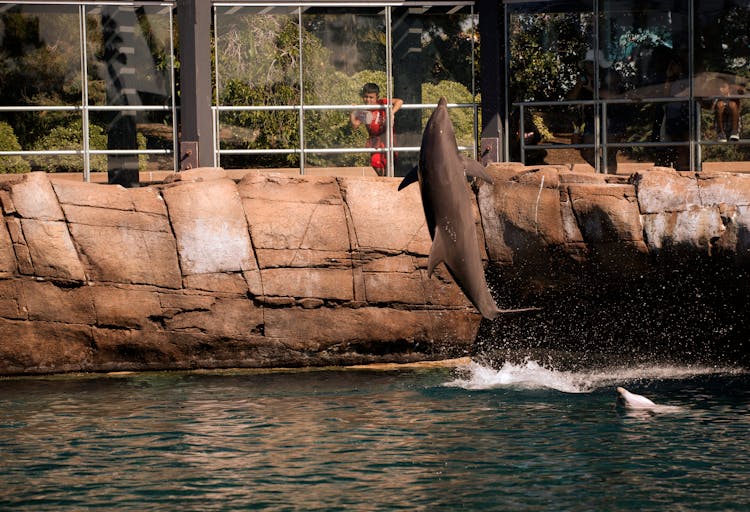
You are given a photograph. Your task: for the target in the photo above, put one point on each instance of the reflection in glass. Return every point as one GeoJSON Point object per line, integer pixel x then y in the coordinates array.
{"type": "Point", "coordinates": [433, 56]}
{"type": "Point", "coordinates": [128, 55]}
{"type": "Point", "coordinates": [343, 50]}
{"type": "Point", "coordinates": [39, 65]}
{"type": "Point", "coordinates": [722, 79]}
{"type": "Point", "coordinates": [276, 131]}
{"type": "Point", "coordinates": [257, 56]}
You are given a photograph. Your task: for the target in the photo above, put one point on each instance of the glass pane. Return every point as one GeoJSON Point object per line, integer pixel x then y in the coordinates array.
{"type": "Point", "coordinates": [722, 81]}
{"type": "Point", "coordinates": [40, 64]}
{"type": "Point", "coordinates": [128, 55]}
{"type": "Point", "coordinates": [332, 129]}
{"type": "Point", "coordinates": [276, 131]}
{"type": "Point", "coordinates": [257, 55]}
{"type": "Point", "coordinates": [343, 50]}
{"type": "Point", "coordinates": [40, 55]}
{"type": "Point", "coordinates": [433, 56]}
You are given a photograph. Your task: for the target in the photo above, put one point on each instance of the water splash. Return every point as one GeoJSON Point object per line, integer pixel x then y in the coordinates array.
{"type": "Point", "coordinates": [532, 375]}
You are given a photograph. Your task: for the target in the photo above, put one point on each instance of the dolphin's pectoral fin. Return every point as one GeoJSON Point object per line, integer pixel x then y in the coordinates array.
{"type": "Point", "coordinates": [411, 177]}
{"type": "Point", "coordinates": [437, 253]}
{"type": "Point", "coordinates": [474, 168]}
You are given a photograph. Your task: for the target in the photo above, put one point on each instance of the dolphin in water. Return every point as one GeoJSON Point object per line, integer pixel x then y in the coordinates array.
{"type": "Point", "coordinates": [446, 200]}
{"type": "Point", "coordinates": [633, 401]}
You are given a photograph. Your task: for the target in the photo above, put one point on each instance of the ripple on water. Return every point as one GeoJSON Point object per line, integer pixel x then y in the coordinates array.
{"type": "Point", "coordinates": [519, 437]}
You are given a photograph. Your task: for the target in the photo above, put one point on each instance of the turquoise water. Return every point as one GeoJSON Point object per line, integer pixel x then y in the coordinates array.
{"type": "Point", "coordinates": [473, 438]}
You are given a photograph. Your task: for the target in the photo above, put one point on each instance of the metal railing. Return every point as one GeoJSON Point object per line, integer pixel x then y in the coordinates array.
{"type": "Point", "coordinates": [85, 109]}
{"type": "Point", "coordinates": [601, 144]}
{"type": "Point", "coordinates": [303, 150]}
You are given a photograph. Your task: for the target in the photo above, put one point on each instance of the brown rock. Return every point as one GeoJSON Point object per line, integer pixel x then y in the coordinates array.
{"type": "Point", "coordinates": [119, 255]}
{"type": "Point", "coordinates": [7, 255]}
{"type": "Point", "coordinates": [277, 188]}
{"type": "Point", "coordinates": [335, 284]}
{"type": "Point", "coordinates": [50, 303]}
{"type": "Point", "coordinates": [210, 229]}
{"type": "Point", "coordinates": [323, 327]}
{"type": "Point", "coordinates": [519, 218]}
{"type": "Point", "coordinates": [232, 318]}
{"type": "Point", "coordinates": [233, 283]}
{"type": "Point", "coordinates": [606, 213]}
{"type": "Point", "coordinates": [12, 305]}
{"type": "Point", "coordinates": [44, 347]}
{"type": "Point", "coordinates": [113, 197]}
{"type": "Point", "coordinates": [34, 198]}
{"type": "Point", "coordinates": [383, 217]}
{"type": "Point", "coordinates": [51, 249]}
{"type": "Point", "coordinates": [692, 229]}
{"type": "Point", "coordinates": [201, 174]}
{"type": "Point", "coordinates": [715, 188]}
{"type": "Point", "coordinates": [660, 190]}
{"type": "Point", "coordinates": [116, 218]}
{"type": "Point", "coordinates": [126, 307]}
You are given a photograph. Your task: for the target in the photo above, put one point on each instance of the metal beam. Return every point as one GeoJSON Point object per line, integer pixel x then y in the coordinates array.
{"type": "Point", "coordinates": [196, 125]}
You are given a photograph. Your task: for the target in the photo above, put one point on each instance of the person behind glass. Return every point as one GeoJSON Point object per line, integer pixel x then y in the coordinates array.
{"type": "Point", "coordinates": [726, 112]}
{"type": "Point", "coordinates": [585, 89]}
{"type": "Point", "coordinates": [375, 123]}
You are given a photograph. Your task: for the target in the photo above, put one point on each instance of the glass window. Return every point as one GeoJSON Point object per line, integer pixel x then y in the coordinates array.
{"type": "Point", "coordinates": [258, 69]}
{"type": "Point", "coordinates": [40, 63]}
{"type": "Point", "coordinates": [344, 49]}
{"type": "Point", "coordinates": [433, 56]}
{"type": "Point", "coordinates": [292, 83]}
{"type": "Point", "coordinates": [54, 104]}
{"type": "Point", "coordinates": [722, 73]}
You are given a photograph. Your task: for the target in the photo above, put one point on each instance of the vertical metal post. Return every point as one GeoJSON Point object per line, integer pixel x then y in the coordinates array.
{"type": "Point", "coordinates": [194, 20]}
{"type": "Point", "coordinates": [302, 145]}
{"type": "Point", "coordinates": [84, 95]}
{"type": "Point", "coordinates": [389, 91]}
{"type": "Point", "coordinates": [492, 32]}
{"type": "Point", "coordinates": [173, 94]}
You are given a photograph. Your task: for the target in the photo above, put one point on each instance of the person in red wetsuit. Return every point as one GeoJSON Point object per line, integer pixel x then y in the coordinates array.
{"type": "Point", "coordinates": [375, 122]}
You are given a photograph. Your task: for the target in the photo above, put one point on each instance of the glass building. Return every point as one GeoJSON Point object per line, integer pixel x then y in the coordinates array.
{"type": "Point", "coordinates": [615, 84]}
{"type": "Point", "coordinates": [123, 87]}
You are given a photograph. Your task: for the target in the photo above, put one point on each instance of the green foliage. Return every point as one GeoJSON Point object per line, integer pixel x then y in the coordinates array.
{"type": "Point", "coordinates": [544, 54]}
{"type": "Point", "coordinates": [8, 142]}
{"type": "Point", "coordinates": [69, 136]}
{"type": "Point", "coordinates": [462, 118]}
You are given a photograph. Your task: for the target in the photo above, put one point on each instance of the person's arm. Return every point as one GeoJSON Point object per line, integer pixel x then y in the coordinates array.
{"type": "Point", "coordinates": [354, 119]}
{"type": "Point", "coordinates": [397, 103]}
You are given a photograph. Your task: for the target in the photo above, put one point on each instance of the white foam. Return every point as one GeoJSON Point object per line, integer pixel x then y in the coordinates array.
{"type": "Point", "coordinates": [532, 375]}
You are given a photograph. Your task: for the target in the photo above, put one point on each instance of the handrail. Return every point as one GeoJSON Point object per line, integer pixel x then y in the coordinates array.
{"type": "Point", "coordinates": [600, 137]}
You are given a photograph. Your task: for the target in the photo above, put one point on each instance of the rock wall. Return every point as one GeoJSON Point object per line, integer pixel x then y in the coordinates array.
{"type": "Point", "coordinates": [208, 272]}
{"type": "Point", "coordinates": [642, 268]}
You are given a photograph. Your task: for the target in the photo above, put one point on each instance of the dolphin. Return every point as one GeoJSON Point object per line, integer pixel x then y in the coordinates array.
{"type": "Point", "coordinates": [441, 173]}
{"type": "Point", "coordinates": [632, 401]}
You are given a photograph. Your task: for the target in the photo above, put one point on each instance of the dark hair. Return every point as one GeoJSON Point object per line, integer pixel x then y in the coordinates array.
{"type": "Point", "coordinates": [370, 88]}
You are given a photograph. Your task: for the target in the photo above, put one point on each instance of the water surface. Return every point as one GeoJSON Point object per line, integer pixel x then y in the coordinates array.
{"type": "Point", "coordinates": [474, 438]}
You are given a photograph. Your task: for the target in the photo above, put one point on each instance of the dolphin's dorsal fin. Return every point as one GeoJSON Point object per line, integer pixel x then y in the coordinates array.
{"type": "Point", "coordinates": [474, 168]}
{"type": "Point", "coordinates": [411, 177]}
{"type": "Point", "coordinates": [437, 252]}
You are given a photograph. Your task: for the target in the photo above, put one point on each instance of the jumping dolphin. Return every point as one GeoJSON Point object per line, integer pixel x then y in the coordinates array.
{"type": "Point", "coordinates": [447, 208]}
